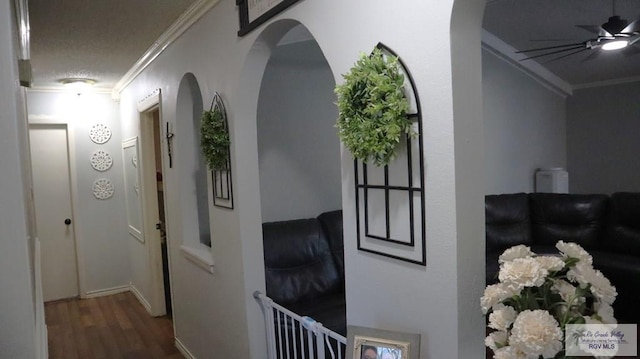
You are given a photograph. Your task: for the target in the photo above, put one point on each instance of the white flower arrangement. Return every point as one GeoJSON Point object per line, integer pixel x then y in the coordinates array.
{"type": "Point", "coordinates": [537, 296]}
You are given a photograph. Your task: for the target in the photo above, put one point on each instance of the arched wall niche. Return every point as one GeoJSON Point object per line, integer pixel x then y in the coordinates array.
{"type": "Point", "coordinates": [194, 194]}
{"type": "Point", "coordinates": [298, 146]}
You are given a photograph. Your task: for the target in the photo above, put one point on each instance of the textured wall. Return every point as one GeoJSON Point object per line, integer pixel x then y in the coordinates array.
{"type": "Point", "coordinates": [298, 146]}
{"type": "Point", "coordinates": [524, 127]}
{"type": "Point", "coordinates": [603, 125]}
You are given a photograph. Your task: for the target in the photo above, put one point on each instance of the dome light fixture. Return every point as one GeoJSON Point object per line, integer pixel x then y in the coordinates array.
{"type": "Point", "coordinates": [615, 45]}
{"type": "Point", "coordinates": [77, 85]}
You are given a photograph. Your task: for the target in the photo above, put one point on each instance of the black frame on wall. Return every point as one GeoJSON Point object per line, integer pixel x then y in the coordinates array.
{"type": "Point", "coordinates": [247, 26]}
{"type": "Point", "coordinates": [386, 245]}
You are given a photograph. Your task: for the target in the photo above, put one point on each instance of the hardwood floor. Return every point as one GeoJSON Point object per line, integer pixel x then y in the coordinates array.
{"type": "Point", "coordinates": [113, 327]}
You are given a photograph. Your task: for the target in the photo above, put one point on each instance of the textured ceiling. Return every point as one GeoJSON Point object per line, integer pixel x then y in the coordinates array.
{"type": "Point", "coordinates": [102, 39]}
{"type": "Point", "coordinates": [97, 39]}
{"type": "Point", "coordinates": [521, 23]}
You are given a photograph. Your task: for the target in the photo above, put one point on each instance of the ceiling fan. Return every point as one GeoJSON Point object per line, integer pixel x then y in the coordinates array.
{"type": "Point", "coordinates": [615, 34]}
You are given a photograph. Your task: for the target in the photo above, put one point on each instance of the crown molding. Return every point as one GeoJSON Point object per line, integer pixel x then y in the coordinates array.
{"type": "Point", "coordinates": [536, 71]}
{"type": "Point", "coordinates": [620, 81]}
{"type": "Point", "coordinates": [180, 26]}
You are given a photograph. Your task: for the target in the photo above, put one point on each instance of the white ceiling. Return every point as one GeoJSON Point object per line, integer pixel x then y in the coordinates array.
{"type": "Point", "coordinates": [100, 40]}
{"type": "Point", "coordinates": [520, 23]}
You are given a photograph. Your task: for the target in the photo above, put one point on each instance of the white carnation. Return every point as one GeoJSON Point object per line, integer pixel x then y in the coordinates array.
{"type": "Point", "coordinates": [519, 251]}
{"type": "Point", "coordinates": [601, 287]}
{"type": "Point", "coordinates": [535, 333]}
{"type": "Point", "coordinates": [566, 290]}
{"type": "Point", "coordinates": [551, 263]}
{"type": "Point", "coordinates": [493, 295]}
{"type": "Point", "coordinates": [605, 313]}
{"type": "Point", "coordinates": [495, 340]}
{"type": "Point", "coordinates": [502, 317]}
{"type": "Point", "coordinates": [511, 353]}
{"type": "Point", "coordinates": [572, 250]}
{"type": "Point", "coordinates": [522, 272]}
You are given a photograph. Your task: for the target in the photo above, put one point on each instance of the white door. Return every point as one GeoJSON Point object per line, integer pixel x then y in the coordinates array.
{"type": "Point", "coordinates": [54, 222]}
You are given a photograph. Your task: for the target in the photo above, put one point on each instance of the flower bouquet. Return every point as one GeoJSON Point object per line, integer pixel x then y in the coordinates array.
{"type": "Point", "coordinates": [538, 295]}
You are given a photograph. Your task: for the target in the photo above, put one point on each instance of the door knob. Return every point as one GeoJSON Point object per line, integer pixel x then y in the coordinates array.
{"type": "Point", "coordinates": [67, 221]}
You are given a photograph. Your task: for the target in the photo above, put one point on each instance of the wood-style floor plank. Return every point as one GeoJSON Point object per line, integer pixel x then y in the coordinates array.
{"type": "Point", "coordinates": [111, 327]}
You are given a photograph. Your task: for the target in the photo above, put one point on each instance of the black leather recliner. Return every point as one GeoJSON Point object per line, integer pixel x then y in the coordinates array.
{"type": "Point", "coordinates": [304, 267]}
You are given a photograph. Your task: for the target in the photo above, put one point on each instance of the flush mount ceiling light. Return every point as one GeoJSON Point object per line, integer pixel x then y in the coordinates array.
{"type": "Point", "coordinates": [77, 85]}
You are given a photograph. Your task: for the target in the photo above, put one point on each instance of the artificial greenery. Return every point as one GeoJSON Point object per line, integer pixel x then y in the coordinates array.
{"type": "Point", "coordinates": [373, 108]}
{"type": "Point", "coordinates": [214, 139]}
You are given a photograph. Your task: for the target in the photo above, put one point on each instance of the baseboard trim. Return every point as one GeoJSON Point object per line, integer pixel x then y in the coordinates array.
{"type": "Point", "coordinates": [107, 291]}
{"type": "Point", "coordinates": [43, 346]}
{"type": "Point", "coordinates": [182, 349]}
{"type": "Point", "coordinates": [140, 298]}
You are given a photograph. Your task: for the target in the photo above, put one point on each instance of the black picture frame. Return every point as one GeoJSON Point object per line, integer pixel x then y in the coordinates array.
{"type": "Point", "coordinates": [246, 25]}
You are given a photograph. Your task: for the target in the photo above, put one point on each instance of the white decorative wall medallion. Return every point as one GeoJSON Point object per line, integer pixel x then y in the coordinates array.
{"type": "Point", "coordinates": [101, 160]}
{"type": "Point", "coordinates": [100, 133]}
{"type": "Point", "coordinates": [102, 188]}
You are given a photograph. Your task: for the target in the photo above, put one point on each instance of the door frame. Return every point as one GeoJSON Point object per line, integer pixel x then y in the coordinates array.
{"type": "Point", "coordinates": [150, 208]}
{"type": "Point", "coordinates": [44, 121]}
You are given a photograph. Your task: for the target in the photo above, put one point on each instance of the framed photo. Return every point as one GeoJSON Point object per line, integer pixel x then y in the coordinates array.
{"type": "Point", "coordinates": [253, 13]}
{"type": "Point", "coordinates": [371, 343]}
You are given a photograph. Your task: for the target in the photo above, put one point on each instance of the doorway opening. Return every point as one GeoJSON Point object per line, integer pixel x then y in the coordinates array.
{"type": "Point", "coordinates": [154, 209]}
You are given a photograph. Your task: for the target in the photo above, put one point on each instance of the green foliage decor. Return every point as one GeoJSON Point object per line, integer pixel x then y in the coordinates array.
{"type": "Point", "coordinates": [214, 139]}
{"type": "Point", "coordinates": [373, 108]}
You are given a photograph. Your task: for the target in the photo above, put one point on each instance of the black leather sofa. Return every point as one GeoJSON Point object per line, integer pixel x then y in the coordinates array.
{"type": "Point", "coordinates": [304, 267]}
{"type": "Point", "coordinates": [608, 227]}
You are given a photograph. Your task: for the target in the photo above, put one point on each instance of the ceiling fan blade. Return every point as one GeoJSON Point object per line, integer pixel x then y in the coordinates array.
{"type": "Point", "coordinates": [631, 28]}
{"type": "Point", "coordinates": [555, 52]}
{"type": "Point", "coordinates": [551, 47]}
{"type": "Point", "coordinates": [595, 29]}
{"type": "Point", "coordinates": [567, 55]}
{"type": "Point", "coordinates": [592, 56]}
{"type": "Point", "coordinates": [540, 40]}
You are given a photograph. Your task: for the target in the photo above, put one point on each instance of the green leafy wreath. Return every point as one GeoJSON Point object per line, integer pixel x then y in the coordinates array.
{"type": "Point", "coordinates": [214, 138]}
{"type": "Point", "coordinates": [373, 108]}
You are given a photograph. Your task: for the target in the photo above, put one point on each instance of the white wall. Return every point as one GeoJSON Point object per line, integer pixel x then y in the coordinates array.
{"type": "Point", "coordinates": [17, 286]}
{"type": "Point", "coordinates": [603, 125]}
{"type": "Point", "coordinates": [101, 234]}
{"type": "Point", "coordinates": [215, 314]}
{"type": "Point", "coordinates": [299, 149]}
{"type": "Point", "coordinates": [524, 127]}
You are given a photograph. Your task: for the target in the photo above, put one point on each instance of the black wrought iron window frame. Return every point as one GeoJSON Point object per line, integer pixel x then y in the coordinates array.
{"type": "Point", "coordinates": [411, 187]}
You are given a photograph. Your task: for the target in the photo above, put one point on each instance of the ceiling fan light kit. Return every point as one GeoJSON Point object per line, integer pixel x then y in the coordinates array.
{"type": "Point", "coordinates": [615, 45]}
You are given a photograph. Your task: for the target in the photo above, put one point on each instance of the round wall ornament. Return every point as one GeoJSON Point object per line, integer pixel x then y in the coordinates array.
{"type": "Point", "coordinates": [101, 160]}
{"type": "Point", "coordinates": [103, 188]}
{"type": "Point", "coordinates": [100, 133]}
{"type": "Point", "coordinates": [373, 108]}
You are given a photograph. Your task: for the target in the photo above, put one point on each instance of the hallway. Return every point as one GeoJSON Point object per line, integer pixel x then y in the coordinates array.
{"type": "Point", "coordinates": [113, 327]}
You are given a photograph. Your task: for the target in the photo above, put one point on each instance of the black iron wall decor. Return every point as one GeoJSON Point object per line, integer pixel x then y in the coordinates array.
{"type": "Point", "coordinates": [215, 143]}
{"type": "Point", "coordinates": [253, 13]}
{"type": "Point", "coordinates": [390, 200]}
